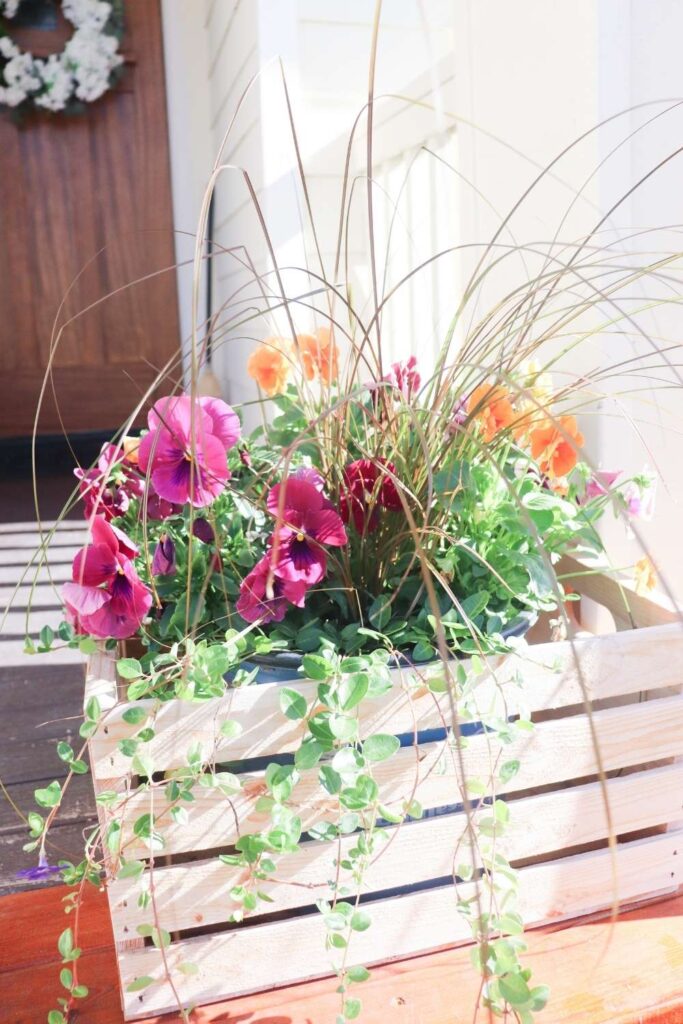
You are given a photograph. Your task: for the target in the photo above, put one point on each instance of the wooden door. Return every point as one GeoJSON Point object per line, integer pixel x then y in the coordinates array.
{"type": "Point", "coordinates": [90, 195]}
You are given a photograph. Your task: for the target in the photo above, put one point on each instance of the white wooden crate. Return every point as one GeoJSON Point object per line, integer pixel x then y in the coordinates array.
{"type": "Point", "coordinates": [558, 835]}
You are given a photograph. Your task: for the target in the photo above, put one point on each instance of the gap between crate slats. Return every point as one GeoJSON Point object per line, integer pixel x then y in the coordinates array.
{"type": "Point", "coordinates": [194, 894]}
{"type": "Point", "coordinates": [554, 751]}
{"type": "Point", "coordinates": [609, 666]}
{"type": "Point", "coordinates": [239, 962]}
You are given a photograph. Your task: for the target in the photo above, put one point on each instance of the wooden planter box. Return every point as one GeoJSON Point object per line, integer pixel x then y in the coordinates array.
{"type": "Point", "coordinates": [558, 826]}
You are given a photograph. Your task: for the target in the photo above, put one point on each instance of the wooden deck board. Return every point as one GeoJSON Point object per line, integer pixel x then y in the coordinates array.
{"type": "Point", "coordinates": [629, 973]}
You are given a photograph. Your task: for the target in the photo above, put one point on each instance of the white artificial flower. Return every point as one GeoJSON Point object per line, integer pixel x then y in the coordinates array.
{"type": "Point", "coordinates": [83, 69]}
{"type": "Point", "coordinates": [9, 8]}
{"type": "Point", "coordinates": [88, 14]}
{"type": "Point", "coordinates": [8, 49]}
{"type": "Point", "coordinates": [58, 83]}
{"type": "Point", "coordinates": [12, 96]}
{"type": "Point", "coordinates": [21, 73]}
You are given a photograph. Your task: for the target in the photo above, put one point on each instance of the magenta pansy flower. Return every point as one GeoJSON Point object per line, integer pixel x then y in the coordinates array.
{"type": "Point", "coordinates": [158, 508]}
{"type": "Point", "coordinates": [265, 597]}
{"type": "Point", "coordinates": [163, 562]}
{"type": "Point", "coordinates": [106, 491]}
{"type": "Point", "coordinates": [306, 525]}
{"type": "Point", "coordinates": [106, 597]}
{"type": "Point", "coordinates": [368, 489]}
{"type": "Point", "coordinates": [601, 483]}
{"type": "Point", "coordinates": [186, 446]}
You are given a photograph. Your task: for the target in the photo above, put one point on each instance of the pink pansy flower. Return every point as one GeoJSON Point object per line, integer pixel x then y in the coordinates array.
{"type": "Point", "coordinates": [106, 597]}
{"type": "Point", "coordinates": [639, 495]}
{"type": "Point", "coordinates": [185, 448]}
{"type": "Point", "coordinates": [368, 489]}
{"type": "Point", "coordinates": [601, 483]}
{"type": "Point", "coordinates": [265, 597]}
{"type": "Point", "coordinates": [305, 526]}
{"type": "Point", "coordinates": [405, 378]}
{"type": "Point", "coordinates": [105, 491]}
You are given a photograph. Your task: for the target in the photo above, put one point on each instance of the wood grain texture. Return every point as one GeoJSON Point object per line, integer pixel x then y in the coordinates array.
{"type": "Point", "coordinates": [584, 964]}
{"type": "Point", "coordinates": [188, 895]}
{"type": "Point", "coordinates": [554, 675]}
{"type": "Point", "coordinates": [85, 202]}
{"type": "Point", "coordinates": [243, 961]}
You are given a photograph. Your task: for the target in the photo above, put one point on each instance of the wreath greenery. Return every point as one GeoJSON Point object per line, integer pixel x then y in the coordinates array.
{"type": "Point", "coordinates": [87, 67]}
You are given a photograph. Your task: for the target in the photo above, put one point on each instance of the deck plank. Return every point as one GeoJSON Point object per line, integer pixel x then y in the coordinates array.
{"type": "Point", "coordinates": [627, 974]}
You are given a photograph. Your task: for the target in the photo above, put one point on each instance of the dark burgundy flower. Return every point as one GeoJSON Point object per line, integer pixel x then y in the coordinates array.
{"type": "Point", "coordinates": [163, 563]}
{"type": "Point", "coordinates": [106, 597]}
{"type": "Point", "coordinates": [265, 597]}
{"type": "Point", "coordinates": [158, 508]}
{"type": "Point", "coordinates": [305, 527]}
{"type": "Point", "coordinates": [368, 489]}
{"type": "Point", "coordinates": [186, 446]}
{"type": "Point", "coordinates": [203, 530]}
{"type": "Point", "coordinates": [245, 457]}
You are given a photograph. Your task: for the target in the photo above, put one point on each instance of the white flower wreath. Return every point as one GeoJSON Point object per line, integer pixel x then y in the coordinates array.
{"type": "Point", "coordinates": [81, 73]}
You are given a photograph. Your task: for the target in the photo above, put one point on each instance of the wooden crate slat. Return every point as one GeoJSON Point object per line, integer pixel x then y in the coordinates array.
{"type": "Point", "coordinates": [610, 666]}
{"type": "Point", "coordinates": [555, 751]}
{"type": "Point", "coordinates": [188, 895]}
{"type": "Point", "coordinates": [244, 960]}
{"type": "Point", "coordinates": [618, 595]}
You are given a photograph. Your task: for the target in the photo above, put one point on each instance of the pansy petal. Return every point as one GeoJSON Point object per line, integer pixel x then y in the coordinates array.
{"type": "Point", "coordinates": [299, 496]}
{"type": "Point", "coordinates": [225, 421]}
{"type": "Point", "coordinates": [328, 527]}
{"type": "Point", "coordinates": [93, 565]}
{"type": "Point", "coordinates": [83, 600]}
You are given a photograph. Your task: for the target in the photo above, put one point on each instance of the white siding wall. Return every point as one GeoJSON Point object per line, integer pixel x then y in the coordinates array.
{"type": "Point", "coordinates": [530, 75]}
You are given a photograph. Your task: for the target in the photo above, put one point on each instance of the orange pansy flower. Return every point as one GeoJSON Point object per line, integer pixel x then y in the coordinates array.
{"type": "Point", "coordinates": [268, 365]}
{"type": "Point", "coordinates": [319, 353]}
{"type": "Point", "coordinates": [492, 410]}
{"type": "Point", "coordinates": [554, 446]}
{"type": "Point", "coordinates": [644, 575]}
{"type": "Point", "coordinates": [130, 447]}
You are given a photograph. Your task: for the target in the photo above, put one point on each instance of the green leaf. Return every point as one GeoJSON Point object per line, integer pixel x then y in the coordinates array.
{"type": "Point", "coordinates": [539, 997]}
{"type": "Point", "coordinates": [66, 978]}
{"type": "Point", "coordinates": [360, 921]}
{"type": "Point", "coordinates": [281, 779]}
{"type": "Point", "coordinates": [188, 968]}
{"type": "Point", "coordinates": [129, 668]}
{"type": "Point", "coordinates": [87, 645]}
{"type": "Point", "coordinates": [134, 715]}
{"type": "Point", "coordinates": [93, 709]}
{"type": "Point", "coordinates": [308, 754]}
{"type": "Point", "coordinates": [292, 704]}
{"type": "Point", "coordinates": [56, 1017]}
{"type": "Point", "coordinates": [342, 727]}
{"type": "Point", "coordinates": [65, 944]}
{"type": "Point", "coordinates": [380, 612]}
{"type": "Point", "coordinates": [46, 635]}
{"type": "Point", "coordinates": [139, 983]}
{"type": "Point", "coordinates": [352, 689]}
{"type": "Point", "coordinates": [509, 770]}
{"type": "Point", "coordinates": [380, 747]}
{"type": "Point", "coordinates": [50, 796]}
{"type": "Point", "coordinates": [358, 973]}
{"type": "Point", "coordinates": [514, 989]}
{"type": "Point", "coordinates": [35, 823]}
{"type": "Point", "coordinates": [330, 779]}
{"type": "Point", "coordinates": [352, 1008]}
{"type": "Point", "coordinates": [316, 667]}
{"type": "Point", "coordinates": [65, 752]}
{"type": "Point", "coordinates": [230, 729]}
